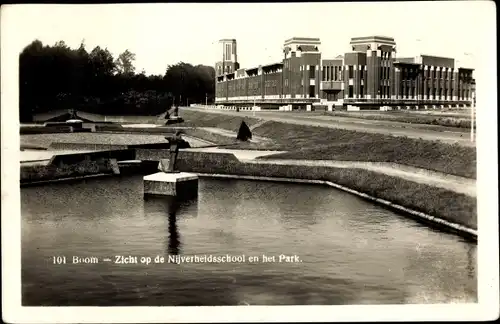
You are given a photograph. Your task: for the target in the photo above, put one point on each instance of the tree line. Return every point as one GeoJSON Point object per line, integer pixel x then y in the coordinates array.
{"type": "Point", "coordinates": [59, 77]}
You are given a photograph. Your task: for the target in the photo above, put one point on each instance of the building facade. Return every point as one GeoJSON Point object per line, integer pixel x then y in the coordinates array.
{"type": "Point", "coordinates": [368, 77]}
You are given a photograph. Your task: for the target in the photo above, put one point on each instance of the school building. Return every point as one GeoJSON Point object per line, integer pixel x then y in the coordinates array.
{"type": "Point", "coordinates": [370, 76]}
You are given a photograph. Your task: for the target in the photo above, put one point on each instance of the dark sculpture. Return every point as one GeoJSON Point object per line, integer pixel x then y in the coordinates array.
{"type": "Point", "coordinates": [172, 115]}
{"type": "Point", "coordinates": [244, 133]}
{"type": "Point", "coordinates": [176, 141]}
{"type": "Point", "coordinates": [172, 112]}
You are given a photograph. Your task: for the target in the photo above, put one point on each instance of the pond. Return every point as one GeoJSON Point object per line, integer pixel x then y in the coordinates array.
{"type": "Point", "coordinates": [344, 250]}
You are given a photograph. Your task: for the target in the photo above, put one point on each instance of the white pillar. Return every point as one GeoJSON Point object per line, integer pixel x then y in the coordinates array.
{"type": "Point", "coordinates": [472, 123]}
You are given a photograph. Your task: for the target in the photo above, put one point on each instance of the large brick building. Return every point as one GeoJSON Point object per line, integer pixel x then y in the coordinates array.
{"type": "Point", "coordinates": [370, 76]}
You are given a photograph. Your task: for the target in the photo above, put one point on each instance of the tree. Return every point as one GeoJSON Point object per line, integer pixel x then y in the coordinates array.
{"type": "Point", "coordinates": [190, 83]}
{"type": "Point", "coordinates": [59, 77]}
{"type": "Point", "coordinates": [61, 44]}
{"type": "Point", "coordinates": [124, 63]}
{"type": "Point", "coordinates": [101, 67]}
{"type": "Point", "coordinates": [30, 71]}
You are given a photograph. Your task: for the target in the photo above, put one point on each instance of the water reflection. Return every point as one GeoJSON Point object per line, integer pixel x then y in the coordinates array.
{"type": "Point", "coordinates": [171, 208]}
{"type": "Point", "coordinates": [174, 242]}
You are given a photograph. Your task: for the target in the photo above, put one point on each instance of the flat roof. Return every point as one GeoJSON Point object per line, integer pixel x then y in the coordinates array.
{"type": "Point", "coordinates": [227, 40]}
{"type": "Point", "coordinates": [265, 66]}
{"type": "Point", "coordinates": [368, 39]}
{"type": "Point", "coordinates": [372, 37]}
{"type": "Point", "coordinates": [308, 40]}
{"type": "Point", "coordinates": [443, 57]}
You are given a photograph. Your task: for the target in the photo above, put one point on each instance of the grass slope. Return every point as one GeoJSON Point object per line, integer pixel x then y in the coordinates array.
{"type": "Point", "coordinates": [441, 119]}
{"type": "Point", "coordinates": [202, 119]}
{"type": "Point", "coordinates": [317, 143]}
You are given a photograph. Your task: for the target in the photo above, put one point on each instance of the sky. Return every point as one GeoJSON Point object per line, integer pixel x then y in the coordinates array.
{"type": "Point", "coordinates": [165, 34]}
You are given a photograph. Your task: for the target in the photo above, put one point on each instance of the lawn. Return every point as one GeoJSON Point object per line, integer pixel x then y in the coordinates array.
{"type": "Point", "coordinates": [318, 143]}
{"type": "Point", "coordinates": [448, 205]}
{"type": "Point", "coordinates": [441, 118]}
{"type": "Point", "coordinates": [321, 143]}
{"type": "Point", "coordinates": [202, 119]}
{"type": "Point", "coordinates": [210, 136]}
{"type": "Point", "coordinates": [44, 140]}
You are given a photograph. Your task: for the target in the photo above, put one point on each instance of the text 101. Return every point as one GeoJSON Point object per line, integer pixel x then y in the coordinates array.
{"type": "Point", "coordinates": [59, 260]}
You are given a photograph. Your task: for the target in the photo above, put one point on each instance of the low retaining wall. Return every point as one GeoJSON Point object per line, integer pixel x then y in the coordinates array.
{"type": "Point", "coordinates": [55, 129]}
{"type": "Point", "coordinates": [69, 159]}
{"type": "Point", "coordinates": [36, 174]}
{"type": "Point", "coordinates": [85, 146]}
{"type": "Point", "coordinates": [71, 166]}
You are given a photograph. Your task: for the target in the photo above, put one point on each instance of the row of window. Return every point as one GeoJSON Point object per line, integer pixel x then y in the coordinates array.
{"type": "Point", "coordinates": [435, 74]}
{"type": "Point", "coordinates": [435, 92]}
{"type": "Point", "coordinates": [384, 72]}
{"type": "Point", "coordinates": [271, 83]}
{"type": "Point", "coordinates": [384, 91]}
{"type": "Point", "coordinates": [332, 73]}
{"type": "Point", "coordinates": [439, 92]}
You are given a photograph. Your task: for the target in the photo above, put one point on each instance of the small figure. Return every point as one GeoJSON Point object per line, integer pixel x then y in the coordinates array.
{"type": "Point", "coordinates": [73, 114]}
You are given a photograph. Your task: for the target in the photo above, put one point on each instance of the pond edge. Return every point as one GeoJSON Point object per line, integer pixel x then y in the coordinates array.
{"type": "Point", "coordinates": [437, 222]}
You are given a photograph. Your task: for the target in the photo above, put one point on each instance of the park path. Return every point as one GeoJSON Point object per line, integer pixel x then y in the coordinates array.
{"type": "Point", "coordinates": [450, 182]}
{"type": "Point", "coordinates": [437, 179]}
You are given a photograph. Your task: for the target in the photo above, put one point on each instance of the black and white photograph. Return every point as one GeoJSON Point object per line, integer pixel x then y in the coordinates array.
{"type": "Point", "coordinates": [338, 160]}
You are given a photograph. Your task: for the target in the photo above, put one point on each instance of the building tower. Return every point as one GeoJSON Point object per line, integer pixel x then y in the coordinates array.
{"type": "Point", "coordinates": [378, 52]}
{"type": "Point", "coordinates": [228, 57]}
{"type": "Point", "coordinates": [301, 71]}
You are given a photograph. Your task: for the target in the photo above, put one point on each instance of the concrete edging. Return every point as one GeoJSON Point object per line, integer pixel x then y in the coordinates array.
{"type": "Point", "coordinates": [460, 229]}
{"type": "Point", "coordinates": [66, 179]}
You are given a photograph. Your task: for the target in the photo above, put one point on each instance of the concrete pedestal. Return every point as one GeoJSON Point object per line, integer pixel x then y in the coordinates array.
{"type": "Point", "coordinates": [181, 185]}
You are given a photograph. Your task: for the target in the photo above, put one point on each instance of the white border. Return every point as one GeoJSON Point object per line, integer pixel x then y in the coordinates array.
{"type": "Point", "coordinates": [488, 284]}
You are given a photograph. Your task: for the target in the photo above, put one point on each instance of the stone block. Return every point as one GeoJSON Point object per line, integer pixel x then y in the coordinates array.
{"type": "Point", "coordinates": [182, 185]}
